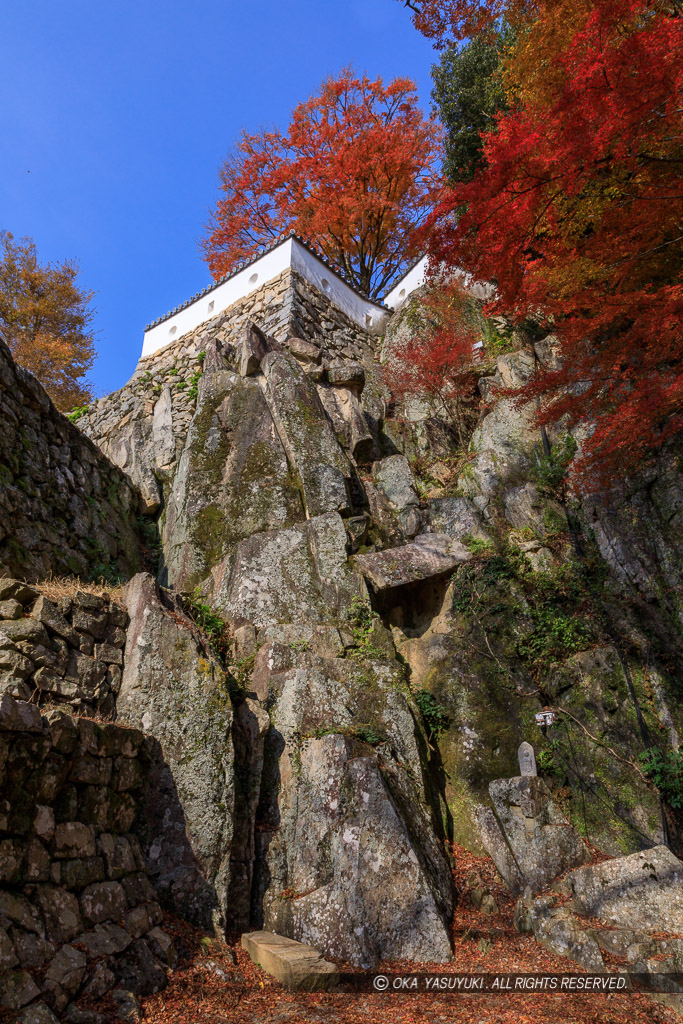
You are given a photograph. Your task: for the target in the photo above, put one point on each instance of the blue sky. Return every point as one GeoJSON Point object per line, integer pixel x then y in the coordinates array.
{"type": "Point", "coordinates": [116, 115]}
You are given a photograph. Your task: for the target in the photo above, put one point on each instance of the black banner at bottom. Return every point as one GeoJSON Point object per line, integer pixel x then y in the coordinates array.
{"type": "Point", "coordinates": [471, 984]}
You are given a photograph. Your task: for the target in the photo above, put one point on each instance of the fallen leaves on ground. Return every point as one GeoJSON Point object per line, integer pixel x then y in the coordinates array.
{"type": "Point", "coordinates": [216, 982]}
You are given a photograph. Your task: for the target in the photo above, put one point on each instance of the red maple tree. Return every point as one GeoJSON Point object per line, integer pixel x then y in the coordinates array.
{"type": "Point", "coordinates": [434, 361]}
{"type": "Point", "coordinates": [578, 214]}
{"type": "Point", "coordinates": [356, 172]}
{"type": "Point", "coordinates": [448, 22]}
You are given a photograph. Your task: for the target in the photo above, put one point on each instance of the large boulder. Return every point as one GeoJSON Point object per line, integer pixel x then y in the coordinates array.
{"type": "Point", "coordinates": [429, 555]}
{"type": "Point", "coordinates": [457, 517]}
{"type": "Point", "coordinates": [175, 691]}
{"type": "Point", "coordinates": [393, 479]}
{"type": "Point", "coordinates": [643, 889]}
{"type": "Point", "coordinates": [542, 842]}
{"type": "Point", "coordinates": [307, 435]}
{"type": "Point", "coordinates": [348, 419]}
{"type": "Point", "coordinates": [349, 858]}
{"type": "Point", "coordinates": [291, 575]}
{"type": "Point", "coordinates": [555, 928]}
{"type": "Point", "coordinates": [232, 479]}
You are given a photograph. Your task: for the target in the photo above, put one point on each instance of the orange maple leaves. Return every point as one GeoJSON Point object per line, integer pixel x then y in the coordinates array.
{"type": "Point", "coordinates": [356, 172]}
{"type": "Point", "coordinates": [45, 319]}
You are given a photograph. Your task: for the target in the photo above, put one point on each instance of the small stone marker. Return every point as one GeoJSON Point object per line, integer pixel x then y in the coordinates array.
{"type": "Point", "coordinates": [527, 759]}
{"type": "Point", "coordinates": [293, 963]}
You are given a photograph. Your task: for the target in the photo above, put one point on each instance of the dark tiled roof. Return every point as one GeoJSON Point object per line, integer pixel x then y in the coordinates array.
{"type": "Point", "coordinates": [248, 263]}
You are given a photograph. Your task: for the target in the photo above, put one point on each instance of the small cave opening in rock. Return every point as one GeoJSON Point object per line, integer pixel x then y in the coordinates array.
{"type": "Point", "coordinates": [418, 617]}
{"type": "Point", "coordinates": [415, 608]}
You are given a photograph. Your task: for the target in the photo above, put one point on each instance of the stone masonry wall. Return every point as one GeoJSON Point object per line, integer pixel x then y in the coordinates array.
{"type": "Point", "coordinates": [78, 915]}
{"type": "Point", "coordinates": [67, 652]}
{"type": "Point", "coordinates": [64, 508]}
{"type": "Point", "coordinates": [143, 427]}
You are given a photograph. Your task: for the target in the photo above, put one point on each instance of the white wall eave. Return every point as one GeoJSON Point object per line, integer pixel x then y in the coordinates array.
{"type": "Point", "coordinates": [290, 252]}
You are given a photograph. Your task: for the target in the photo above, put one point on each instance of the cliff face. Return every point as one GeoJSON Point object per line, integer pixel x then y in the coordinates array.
{"type": "Point", "coordinates": [398, 610]}
{"type": "Point", "coordinates": [571, 602]}
{"type": "Point", "coordinates": [328, 803]}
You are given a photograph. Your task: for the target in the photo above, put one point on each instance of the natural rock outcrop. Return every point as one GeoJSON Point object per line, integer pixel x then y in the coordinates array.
{"type": "Point", "coordinates": [554, 927]}
{"type": "Point", "coordinates": [643, 889]}
{"type": "Point", "coordinates": [349, 861]}
{"type": "Point", "coordinates": [299, 500]}
{"type": "Point", "coordinates": [288, 575]}
{"type": "Point", "coordinates": [232, 479]}
{"type": "Point", "coordinates": [312, 448]}
{"type": "Point", "coordinates": [175, 691]}
{"type": "Point", "coordinates": [536, 618]}
{"type": "Point", "coordinates": [430, 555]}
{"type": "Point", "coordinates": [532, 828]}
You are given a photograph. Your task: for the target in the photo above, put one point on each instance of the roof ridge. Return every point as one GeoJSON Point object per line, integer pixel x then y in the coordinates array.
{"type": "Point", "coordinates": [245, 264]}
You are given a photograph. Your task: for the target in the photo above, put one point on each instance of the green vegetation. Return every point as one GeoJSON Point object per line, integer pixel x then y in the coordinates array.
{"type": "Point", "coordinates": [367, 734]}
{"type": "Point", "coordinates": [105, 572]}
{"type": "Point", "coordinates": [546, 763]}
{"type": "Point", "coordinates": [498, 339]}
{"type": "Point", "coordinates": [546, 616]}
{"type": "Point", "coordinates": [468, 91]}
{"type": "Point", "coordinates": [363, 731]}
{"type": "Point", "coordinates": [363, 620]}
{"type": "Point", "coordinates": [558, 630]}
{"type": "Point", "coordinates": [242, 672]}
{"type": "Point", "coordinates": [550, 471]}
{"type": "Point", "coordinates": [151, 542]}
{"type": "Point", "coordinates": [478, 545]}
{"type": "Point", "coordinates": [299, 645]}
{"type": "Point", "coordinates": [77, 412]}
{"type": "Point", "coordinates": [435, 716]}
{"type": "Point", "coordinates": [212, 625]}
{"type": "Point", "coordinates": [193, 389]}
{"type": "Point", "coordinates": [665, 770]}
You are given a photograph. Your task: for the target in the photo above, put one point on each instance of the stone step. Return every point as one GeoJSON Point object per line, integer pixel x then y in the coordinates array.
{"type": "Point", "coordinates": [293, 963]}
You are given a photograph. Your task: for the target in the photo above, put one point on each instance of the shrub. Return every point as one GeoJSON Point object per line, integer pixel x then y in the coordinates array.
{"type": "Point", "coordinates": [434, 714]}
{"type": "Point", "coordinates": [665, 770]}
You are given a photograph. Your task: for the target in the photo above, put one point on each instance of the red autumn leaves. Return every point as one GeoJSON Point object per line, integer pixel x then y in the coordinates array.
{"type": "Point", "coordinates": [576, 214]}
{"type": "Point", "coordinates": [356, 172]}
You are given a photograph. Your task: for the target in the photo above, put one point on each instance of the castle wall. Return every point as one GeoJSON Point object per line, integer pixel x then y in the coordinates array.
{"type": "Point", "coordinates": [78, 914]}
{"type": "Point", "coordinates": [142, 427]}
{"type": "Point", "coordinates": [64, 507]}
{"type": "Point", "coordinates": [289, 255]}
{"type": "Point", "coordinates": [65, 650]}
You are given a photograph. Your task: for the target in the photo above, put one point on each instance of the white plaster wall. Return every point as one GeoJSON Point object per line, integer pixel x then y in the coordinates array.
{"type": "Point", "coordinates": [415, 278]}
{"type": "Point", "coordinates": [365, 313]}
{"type": "Point", "coordinates": [290, 253]}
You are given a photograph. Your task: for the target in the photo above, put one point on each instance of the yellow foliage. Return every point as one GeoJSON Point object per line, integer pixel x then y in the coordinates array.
{"type": "Point", "coordinates": [45, 319]}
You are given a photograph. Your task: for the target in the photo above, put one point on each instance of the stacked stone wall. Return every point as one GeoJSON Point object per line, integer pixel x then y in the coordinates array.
{"type": "Point", "coordinates": [67, 651]}
{"type": "Point", "coordinates": [78, 914]}
{"type": "Point", "coordinates": [64, 507]}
